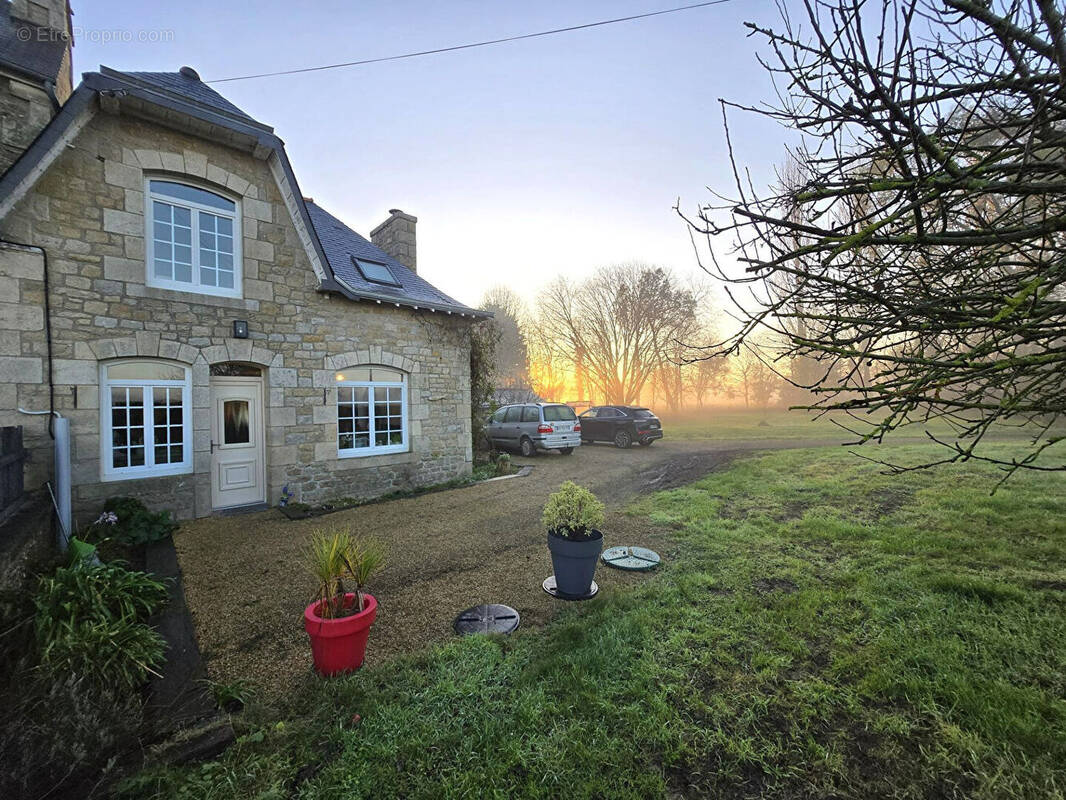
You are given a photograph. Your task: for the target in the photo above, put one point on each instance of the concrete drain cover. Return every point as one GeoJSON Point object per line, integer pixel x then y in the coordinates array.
{"type": "Point", "coordinates": [492, 618]}
{"type": "Point", "coordinates": [553, 590]}
{"type": "Point", "coordinates": [632, 558]}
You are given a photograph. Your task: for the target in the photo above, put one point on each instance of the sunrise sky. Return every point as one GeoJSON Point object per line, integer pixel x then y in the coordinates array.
{"type": "Point", "coordinates": [521, 160]}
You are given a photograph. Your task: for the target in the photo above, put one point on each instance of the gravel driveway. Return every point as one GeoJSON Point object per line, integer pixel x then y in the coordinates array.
{"type": "Point", "coordinates": [246, 586]}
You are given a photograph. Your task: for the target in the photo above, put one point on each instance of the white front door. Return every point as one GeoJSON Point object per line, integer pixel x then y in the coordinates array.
{"type": "Point", "coordinates": [238, 466]}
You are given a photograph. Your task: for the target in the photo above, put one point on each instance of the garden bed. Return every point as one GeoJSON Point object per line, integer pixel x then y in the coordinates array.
{"type": "Point", "coordinates": [482, 473]}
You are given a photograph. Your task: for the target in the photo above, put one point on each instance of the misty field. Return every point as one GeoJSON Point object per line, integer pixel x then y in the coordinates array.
{"type": "Point", "coordinates": [820, 630]}
{"type": "Point", "coordinates": [727, 423]}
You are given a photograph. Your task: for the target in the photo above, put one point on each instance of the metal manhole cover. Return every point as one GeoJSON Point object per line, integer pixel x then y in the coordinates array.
{"type": "Point", "coordinates": [631, 558]}
{"type": "Point", "coordinates": [550, 587]}
{"type": "Point", "coordinates": [491, 618]}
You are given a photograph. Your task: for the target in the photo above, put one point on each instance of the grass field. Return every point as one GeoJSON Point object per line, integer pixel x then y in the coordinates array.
{"type": "Point", "coordinates": [730, 424]}
{"type": "Point", "coordinates": [820, 630]}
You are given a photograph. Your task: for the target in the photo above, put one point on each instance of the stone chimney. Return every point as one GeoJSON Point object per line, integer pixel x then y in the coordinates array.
{"type": "Point", "coordinates": [42, 41]}
{"type": "Point", "coordinates": [54, 14]}
{"type": "Point", "coordinates": [396, 236]}
{"type": "Point", "coordinates": [53, 18]}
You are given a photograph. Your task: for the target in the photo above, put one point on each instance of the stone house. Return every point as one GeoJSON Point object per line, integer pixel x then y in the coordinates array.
{"type": "Point", "coordinates": [212, 335]}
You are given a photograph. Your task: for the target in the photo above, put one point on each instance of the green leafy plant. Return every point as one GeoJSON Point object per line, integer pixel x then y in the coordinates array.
{"type": "Point", "coordinates": [89, 620]}
{"type": "Point", "coordinates": [573, 512]}
{"type": "Point", "coordinates": [335, 556]}
{"type": "Point", "coordinates": [232, 695]}
{"type": "Point", "coordinates": [128, 522]}
{"type": "Point", "coordinates": [503, 464]}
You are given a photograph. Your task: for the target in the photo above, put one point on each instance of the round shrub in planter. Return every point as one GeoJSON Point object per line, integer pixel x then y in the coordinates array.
{"type": "Point", "coordinates": [573, 516]}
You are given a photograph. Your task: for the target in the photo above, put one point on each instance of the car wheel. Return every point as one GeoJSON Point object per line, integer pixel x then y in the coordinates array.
{"type": "Point", "coordinates": [566, 451]}
{"type": "Point", "coordinates": [623, 440]}
{"type": "Point", "coordinates": [527, 447]}
{"type": "Point", "coordinates": [645, 442]}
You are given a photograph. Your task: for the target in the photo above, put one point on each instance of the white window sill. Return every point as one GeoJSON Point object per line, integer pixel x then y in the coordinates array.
{"type": "Point", "coordinates": [139, 473]}
{"type": "Point", "coordinates": [190, 288]}
{"type": "Point", "coordinates": [365, 452]}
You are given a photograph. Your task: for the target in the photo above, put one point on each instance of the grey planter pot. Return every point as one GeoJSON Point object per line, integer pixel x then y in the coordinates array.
{"type": "Point", "coordinates": [574, 562]}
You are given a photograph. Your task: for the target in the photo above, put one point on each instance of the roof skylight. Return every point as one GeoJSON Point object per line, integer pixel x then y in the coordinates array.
{"type": "Point", "coordinates": [375, 272]}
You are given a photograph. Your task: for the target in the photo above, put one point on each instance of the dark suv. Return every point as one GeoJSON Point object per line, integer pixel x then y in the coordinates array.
{"type": "Point", "coordinates": [620, 424]}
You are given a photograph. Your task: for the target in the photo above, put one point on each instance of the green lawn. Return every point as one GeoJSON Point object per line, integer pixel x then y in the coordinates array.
{"type": "Point", "coordinates": [821, 630]}
{"type": "Point", "coordinates": [730, 424]}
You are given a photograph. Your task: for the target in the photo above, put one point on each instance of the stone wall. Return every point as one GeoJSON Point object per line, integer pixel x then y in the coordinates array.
{"type": "Point", "coordinates": [23, 369]}
{"type": "Point", "coordinates": [25, 109]}
{"type": "Point", "coordinates": [87, 211]}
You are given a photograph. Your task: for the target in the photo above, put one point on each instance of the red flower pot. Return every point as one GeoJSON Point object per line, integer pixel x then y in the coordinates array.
{"type": "Point", "coordinates": [338, 645]}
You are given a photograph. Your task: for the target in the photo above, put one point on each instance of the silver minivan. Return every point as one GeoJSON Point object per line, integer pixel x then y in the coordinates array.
{"type": "Point", "coordinates": [529, 427]}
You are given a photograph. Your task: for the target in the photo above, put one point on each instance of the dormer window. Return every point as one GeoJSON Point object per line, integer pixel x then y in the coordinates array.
{"type": "Point", "coordinates": [375, 271]}
{"type": "Point", "coordinates": [193, 239]}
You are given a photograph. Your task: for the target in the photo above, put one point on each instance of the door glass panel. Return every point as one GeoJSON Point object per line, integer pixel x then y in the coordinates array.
{"type": "Point", "coordinates": [236, 421]}
{"type": "Point", "coordinates": [235, 370]}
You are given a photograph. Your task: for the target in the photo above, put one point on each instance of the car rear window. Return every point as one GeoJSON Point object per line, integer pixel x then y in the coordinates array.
{"type": "Point", "coordinates": [642, 413]}
{"type": "Point", "coordinates": [559, 414]}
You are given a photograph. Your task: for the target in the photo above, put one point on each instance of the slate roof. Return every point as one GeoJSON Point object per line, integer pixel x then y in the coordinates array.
{"type": "Point", "coordinates": [341, 243]}
{"type": "Point", "coordinates": [27, 48]}
{"type": "Point", "coordinates": [191, 89]}
{"type": "Point", "coordinates": [333, 243]}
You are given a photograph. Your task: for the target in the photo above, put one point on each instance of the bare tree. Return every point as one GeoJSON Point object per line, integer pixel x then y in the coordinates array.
{"type": "Point", "coordinates": [756, 381]}
{"type": "Point", "coordinates": [512, 351]}
{"type": "Point", "coordinates": [918, 259]}
{"type": "Point", "coordinates": [549, 365]}
{"type": "Point", "coordinates": [706, 377]}
{"type": "Point", "coordinates": [617, 324]}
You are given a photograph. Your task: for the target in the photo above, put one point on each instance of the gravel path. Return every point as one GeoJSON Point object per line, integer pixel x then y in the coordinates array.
{"type": "Point", "coordinates": [246, 586]}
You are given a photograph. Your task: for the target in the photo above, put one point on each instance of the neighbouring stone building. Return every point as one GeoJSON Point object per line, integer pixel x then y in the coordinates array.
{"type": "Point", "coordinates": [212, 335]}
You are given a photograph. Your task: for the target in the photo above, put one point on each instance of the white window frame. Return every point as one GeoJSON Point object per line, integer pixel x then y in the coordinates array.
{"type": "Point", "coordinates": [195, 208]}
{"type": "Point", "coordinates": [372, 449]}
{"type": "Point", "coordinates": [149, 469]}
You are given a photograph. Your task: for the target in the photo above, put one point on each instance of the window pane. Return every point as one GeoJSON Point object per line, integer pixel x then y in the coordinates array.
{"type": "Point", "coordinates": [354, 374]}
{"type": "Point", "coordinates": [237, 417]}
{"type": "Point", "coordinates": [171, 232]}
{"type": "Point", "coordinates": [530, 414]}
{"type": "Point", "coordinates": [386, 375]}
{"type": "Point", "coordinates": [559, 414]}
{"type": "Point", "coordinates": [145, 371]}
{"type": "Point", "coordinates": [127, 426]}
{"type": "Point", "coordinates": [191, 194]}
{"type": "Point", "coordinates": [353, 417]}
{"type": "Point", "coordinates": [167, 411]}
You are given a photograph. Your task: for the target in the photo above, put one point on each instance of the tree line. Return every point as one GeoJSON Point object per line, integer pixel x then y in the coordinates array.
{"type": "Point", "coordinates": [627, 334]}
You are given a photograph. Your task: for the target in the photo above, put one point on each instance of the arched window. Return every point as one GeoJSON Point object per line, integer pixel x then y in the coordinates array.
{"type": "Point", "coordinates": [193, 241]}
{"type": "Point", "coordinates": [145, 419]}
{"type": "Point", "coordinates": [371, 411]}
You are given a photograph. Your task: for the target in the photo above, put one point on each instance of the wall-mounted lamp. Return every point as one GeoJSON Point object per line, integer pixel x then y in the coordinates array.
{"type": "Point", "coordinates": [240, 329]}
